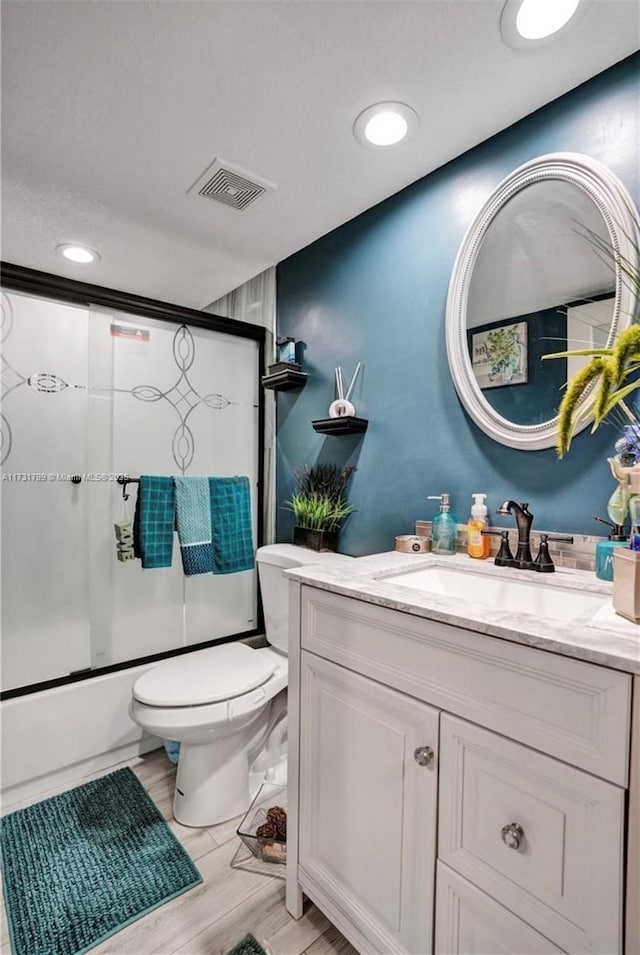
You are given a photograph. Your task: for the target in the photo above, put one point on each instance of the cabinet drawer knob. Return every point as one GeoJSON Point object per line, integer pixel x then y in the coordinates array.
{"type": "Point", "coordinates": [512, 835]}
{"type": "Point", "coordinates": [423, 755]}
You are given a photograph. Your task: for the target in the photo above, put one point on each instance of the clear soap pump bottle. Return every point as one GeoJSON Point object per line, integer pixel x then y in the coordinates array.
{"type": "Point", "coordinates": [444, 527]}
{"type": "Point", "coordinates": [478, 544]}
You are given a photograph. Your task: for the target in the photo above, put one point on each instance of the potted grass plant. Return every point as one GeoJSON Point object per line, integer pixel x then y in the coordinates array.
{"type": "Point", "coordinates": [319, 505]}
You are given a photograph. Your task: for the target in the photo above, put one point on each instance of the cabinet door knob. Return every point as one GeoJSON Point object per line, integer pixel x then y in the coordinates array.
{"type": "Point", "coordinates": [512, 835]}
{"type": "Point", "coordinates": [423, 755]}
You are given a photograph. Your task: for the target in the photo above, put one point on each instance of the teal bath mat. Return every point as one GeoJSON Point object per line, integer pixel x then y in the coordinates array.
{"type": "Point", "coordinates": [248, 946]}
{"type": "Point", "coordinates": [82, 865]}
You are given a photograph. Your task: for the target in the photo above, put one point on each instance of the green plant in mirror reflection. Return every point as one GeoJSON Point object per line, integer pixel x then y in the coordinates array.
{"type": "Point", "coordinates": [606, 384]}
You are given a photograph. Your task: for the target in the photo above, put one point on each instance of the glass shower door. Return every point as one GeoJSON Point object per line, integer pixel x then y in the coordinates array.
{"type": "Point", "coordinates": [97, 394]}
{"type": "Point", "coordinates": [137, 367]}
{"type": "Point", "coordinates": [225, 431]}
{"type": "Point", "coordinates": [45, 624]}
{"type": "Point", "coordinates": [184, 402]}
{"type": "Point", "coordinates": [166, 399]}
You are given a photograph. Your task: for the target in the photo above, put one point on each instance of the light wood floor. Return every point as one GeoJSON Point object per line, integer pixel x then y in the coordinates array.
{"type": "Point", "coordinates": [230, 902]}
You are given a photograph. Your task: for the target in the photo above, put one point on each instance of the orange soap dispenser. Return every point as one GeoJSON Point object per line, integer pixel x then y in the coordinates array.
{"type": "Point", "coordinates": [478, 544]}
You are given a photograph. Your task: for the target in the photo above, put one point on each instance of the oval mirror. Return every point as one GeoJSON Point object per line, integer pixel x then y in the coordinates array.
{"type": "Point", "coordinates": [529, 280]}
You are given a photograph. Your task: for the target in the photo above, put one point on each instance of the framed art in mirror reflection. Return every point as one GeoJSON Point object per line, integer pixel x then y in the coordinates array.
{"type": "Point", "coordinates": [499, 355]}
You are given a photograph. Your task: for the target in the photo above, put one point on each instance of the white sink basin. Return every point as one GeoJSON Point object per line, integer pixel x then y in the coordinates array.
{"type": "Point", "coordinates": [502, 593]}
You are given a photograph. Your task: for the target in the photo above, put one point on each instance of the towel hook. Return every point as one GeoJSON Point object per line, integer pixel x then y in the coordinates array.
{"type": "Point", "coordinates": [124, 479]}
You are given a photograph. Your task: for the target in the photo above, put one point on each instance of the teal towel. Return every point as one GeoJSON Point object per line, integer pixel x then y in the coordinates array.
{"type": "Point", "coordinates": [231, 524]}
{"type": "Point", "coordinates": [154, 521]}
{"type": "Point", "coordinates": [193, 521]}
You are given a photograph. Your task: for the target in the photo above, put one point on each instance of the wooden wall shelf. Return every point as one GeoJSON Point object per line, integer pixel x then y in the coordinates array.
{"type": "Point", "coordinates": [288, 380]}
{"type": "Point", "coordinates": [337, 426]}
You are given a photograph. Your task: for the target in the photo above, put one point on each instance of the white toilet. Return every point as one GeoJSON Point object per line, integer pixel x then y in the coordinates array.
{"type": "Point", "coordinates": [226, 705]}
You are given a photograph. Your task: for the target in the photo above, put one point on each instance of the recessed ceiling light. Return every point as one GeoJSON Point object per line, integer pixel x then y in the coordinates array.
{"type": "Point", "coordinates": [529, 23]}
{"type": "Point", "coordinates": [79, 254]}
{"type": "Point", "coordinates": [385, 124]}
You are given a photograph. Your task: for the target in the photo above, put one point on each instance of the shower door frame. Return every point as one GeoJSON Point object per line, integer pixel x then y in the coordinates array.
{"type": "Point", "coordinates": [17, 278]}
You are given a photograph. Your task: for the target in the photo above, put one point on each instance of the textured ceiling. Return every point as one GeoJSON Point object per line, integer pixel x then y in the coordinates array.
{"type": "Point", "coordinates": [112, 110]}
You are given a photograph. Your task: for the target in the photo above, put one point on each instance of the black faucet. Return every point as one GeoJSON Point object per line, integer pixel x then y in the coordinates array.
{"type": "Point", "coordinates": [524, 519]}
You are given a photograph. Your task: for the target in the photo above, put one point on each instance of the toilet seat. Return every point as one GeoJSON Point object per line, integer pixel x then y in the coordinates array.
{"type": "Point", "coordinates": [205, 677]}
{"type": "Point", "coordinates": [183, 722]}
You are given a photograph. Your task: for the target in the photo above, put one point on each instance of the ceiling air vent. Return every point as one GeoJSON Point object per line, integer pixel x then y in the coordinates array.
{"type": "Point", "coordinates": [230, 185]}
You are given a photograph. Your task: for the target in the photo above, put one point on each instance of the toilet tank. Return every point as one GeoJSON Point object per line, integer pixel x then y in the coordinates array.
{"type": "Point", "coordinates": [272, 561]}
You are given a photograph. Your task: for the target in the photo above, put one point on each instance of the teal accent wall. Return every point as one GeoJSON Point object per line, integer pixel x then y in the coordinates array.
{"type": "Point", "coordinates": [374, 290]}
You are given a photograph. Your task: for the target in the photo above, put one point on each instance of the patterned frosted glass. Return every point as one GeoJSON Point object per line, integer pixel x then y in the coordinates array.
{"type": "Point", "coordinates": [108, 394]}
{"type": "Point", "coordinates": [45, 624]}
{"type": "Point", "coordinates": [225, 445]}
{"type": "Point", "coordinates": [146, 606]}
{"type": "Point", "coordinates": [184, 402]}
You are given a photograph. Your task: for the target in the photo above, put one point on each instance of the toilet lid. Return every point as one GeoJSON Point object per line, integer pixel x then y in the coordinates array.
{"type": "Point", "coordinates": [204, 676]}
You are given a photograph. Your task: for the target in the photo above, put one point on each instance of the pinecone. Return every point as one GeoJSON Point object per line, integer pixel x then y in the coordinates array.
{"type": "Point", "coordinates": [277, 816]}
{"type": "Point", "coordinates": [266, 831]}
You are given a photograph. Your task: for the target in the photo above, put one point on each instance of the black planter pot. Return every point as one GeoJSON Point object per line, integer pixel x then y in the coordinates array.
{"type": "Point", "coordinates": [315, 540]}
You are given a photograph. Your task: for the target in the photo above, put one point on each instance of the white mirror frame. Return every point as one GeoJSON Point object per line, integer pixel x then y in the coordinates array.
{"type": "Point", "coordinates": [621, 217]}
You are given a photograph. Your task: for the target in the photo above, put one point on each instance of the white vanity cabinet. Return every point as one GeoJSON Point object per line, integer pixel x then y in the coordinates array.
{"type": "Point", "coordinates": [470, 922]}
{"type": "Point", "coordinates": [543, 838]}
{"type": "Point", "coordinates": [368, 791]}
{"type": "Point", "coordinates": [519, 759]}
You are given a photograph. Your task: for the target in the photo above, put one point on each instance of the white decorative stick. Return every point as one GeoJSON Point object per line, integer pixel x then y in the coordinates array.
{"type": "Point", "coordinates": [353, 381]}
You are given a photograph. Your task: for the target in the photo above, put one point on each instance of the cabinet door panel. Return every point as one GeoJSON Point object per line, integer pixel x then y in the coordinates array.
{"type": "Point", "coordinates": [561, 870]}
{"type": "Point", "coordinates": [367, 808]}
{"type": "Point", "coordinates": [468, 922]}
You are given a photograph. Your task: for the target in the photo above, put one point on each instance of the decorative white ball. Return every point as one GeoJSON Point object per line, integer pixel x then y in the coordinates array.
{"type": "Point", "coordinates": [341, 409]}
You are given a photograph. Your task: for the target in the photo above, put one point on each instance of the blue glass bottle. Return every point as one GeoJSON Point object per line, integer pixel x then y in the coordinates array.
{"type": "Point", "coordinates": [444, 528]}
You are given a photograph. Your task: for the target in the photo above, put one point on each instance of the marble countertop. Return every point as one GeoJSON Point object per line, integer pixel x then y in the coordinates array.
{"type": "Point", "coordinates": [599, 636]}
